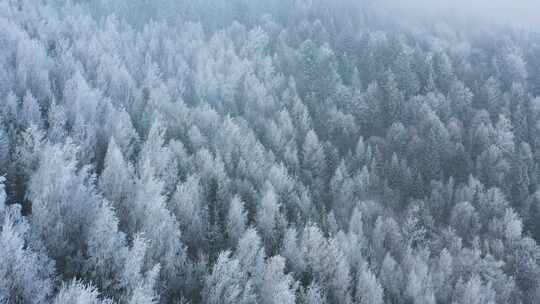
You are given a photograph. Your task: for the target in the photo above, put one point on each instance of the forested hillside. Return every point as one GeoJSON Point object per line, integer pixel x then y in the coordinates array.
{"type": "Point", "coordinates": [271, 152]}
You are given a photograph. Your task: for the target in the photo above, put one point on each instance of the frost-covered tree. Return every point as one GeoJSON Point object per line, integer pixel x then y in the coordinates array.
{"type": "Point", "coordinates": [250, 254]}
{"type": "Point", "coordinates": [78, 293]}
{"type": "Point", "coordinates": [368, 289]}
{"type": "Point", "coordinates": [268, 217]}
{"type": "Point", "coordinates": [150, 216]}
{"type": "Point", "coordinates": [117, 183]}
{"type": "Point", "coordinates": [227, 283]}
{"type": "Point", "coordinates": [106, 252]}
{"type": "Point", "coordinates": [26, 275]}
{"type": "Point", "coordinates": [139, 284]}
{"type": "Point", "coordinates": [236, 220]}
{"type": "Point", "coordinates": [156, 156]}
{"type": "Point", "coordinates": [277, 287]}
{"type": "Point", "coordinates": [64, 205]}
{"type": "Point", "coordinates": [30, 111]}
{"type": "Point", "coordinates": [4, 151]}
{"type": "Point", "coordinates": [314, 295]}
{"type": "Point", "coordinates": [191, 212]}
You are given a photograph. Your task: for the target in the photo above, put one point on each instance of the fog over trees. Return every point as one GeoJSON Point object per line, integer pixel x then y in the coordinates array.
{"type": "Point", "coordinates": [271, 152]}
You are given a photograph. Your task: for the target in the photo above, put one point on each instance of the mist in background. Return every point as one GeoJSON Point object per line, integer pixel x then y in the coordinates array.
{"type": "Point", "coordinates": [517, 13]}
{"type": "Point", "coordinates": [420, 14]}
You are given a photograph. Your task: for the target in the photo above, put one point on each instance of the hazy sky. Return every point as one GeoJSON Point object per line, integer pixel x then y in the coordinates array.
{"type": "Point", "coordinates": [516, 12]}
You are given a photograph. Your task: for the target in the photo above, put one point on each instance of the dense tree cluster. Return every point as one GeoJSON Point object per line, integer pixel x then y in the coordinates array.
{"type": "Point", "coordinates": [272, 152]}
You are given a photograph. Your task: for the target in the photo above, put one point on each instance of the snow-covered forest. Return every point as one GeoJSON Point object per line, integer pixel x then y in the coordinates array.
{"type": "Point", "coordinates": [270, 152]}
